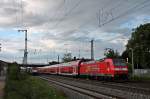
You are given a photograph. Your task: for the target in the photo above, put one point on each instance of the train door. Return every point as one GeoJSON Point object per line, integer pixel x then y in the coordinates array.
{"type": "Point", "coordinates": [108, 68]}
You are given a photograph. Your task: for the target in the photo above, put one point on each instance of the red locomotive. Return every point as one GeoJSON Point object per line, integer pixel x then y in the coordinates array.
{"type": "Point", "coordinates": [106, 68]}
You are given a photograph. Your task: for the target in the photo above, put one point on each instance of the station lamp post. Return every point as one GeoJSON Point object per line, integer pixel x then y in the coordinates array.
{"type": "Point", "coordinates": [132, 52]}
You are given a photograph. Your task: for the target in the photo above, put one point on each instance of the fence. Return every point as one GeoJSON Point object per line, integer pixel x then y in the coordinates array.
{"type": "Point", "coordinates": [142, 72]}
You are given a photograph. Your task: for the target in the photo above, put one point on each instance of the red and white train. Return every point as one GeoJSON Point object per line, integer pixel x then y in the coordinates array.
{"type": "Point", "coordinates": [106, 68]}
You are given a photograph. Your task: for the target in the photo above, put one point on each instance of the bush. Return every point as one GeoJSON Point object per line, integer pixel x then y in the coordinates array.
{"type": "Point", "coordinates": [20, 85]}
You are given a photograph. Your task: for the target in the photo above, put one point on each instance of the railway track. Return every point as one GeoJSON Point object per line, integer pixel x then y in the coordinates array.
{"type": "Point", "coordinates": [135, 89]}
{"type": "Point", "coordinates": [125, 85]}
{"type": "Point", "coordinates": [91, 93]}
{"type": "Point", "coordinates": [114, 89]}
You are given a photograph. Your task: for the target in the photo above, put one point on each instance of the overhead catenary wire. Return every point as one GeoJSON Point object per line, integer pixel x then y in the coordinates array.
{"type": "Point", "coordinates": [21, 11]}
{"type": "Point", "coordinates": [69, 12]}
{"type": "Point", "coordinates": [108, 12]}
{"type": "Point", "coordinates": [106, 4]}
{"type": "Point", "coordinates": [57, 25]}
{"type": "Point", "coordinates": [62, 4]}
{"type": "Point", "coordinates": [15, 5]}
{"type": "Point", "coordinates": [59, 22]}
{"type": "Point", "coordinates": [125, 13]}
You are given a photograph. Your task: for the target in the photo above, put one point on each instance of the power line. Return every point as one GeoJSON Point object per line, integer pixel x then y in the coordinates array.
{"type": "Point", "coordinates": [69, 12]}
{"type": "Point", "coordinates": [106, 4]}
{"type": "Point", "coordinates": [121, 15]}
{"type": "Point", "coordinates": [102, 17]}
{"type": "Point", "coordinates": [62, 4]}
{"type": "Point", "coordinates": [21, 7]}
{"type": "Point", "coordinates": [59, 22]}
{"type": "Point", "coordinates": [126, 12]}
{"type": "Point", "coordinates": [117, 5]}
{"type": "Point", "coordinates": [14, 5]}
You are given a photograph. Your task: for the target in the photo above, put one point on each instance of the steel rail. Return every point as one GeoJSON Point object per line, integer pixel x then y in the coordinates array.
{"type": "Point", "coordinates": [84, 91]}
{"type": "Point", "coordinates": [114, 85]}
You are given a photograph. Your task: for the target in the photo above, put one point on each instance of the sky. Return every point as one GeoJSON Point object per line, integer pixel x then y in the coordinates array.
{"type": "Point", "coordinates": [56, 27]}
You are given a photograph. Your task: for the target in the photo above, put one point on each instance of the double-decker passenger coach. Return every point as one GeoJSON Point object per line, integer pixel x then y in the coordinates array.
{"type": "Point", "coordinates": [105, 68]}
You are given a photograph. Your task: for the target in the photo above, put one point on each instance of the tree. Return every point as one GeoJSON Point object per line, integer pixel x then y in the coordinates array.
{"type": "Point", "coordinates": [110, 53]}
{"type": "Point", "coordinates": [67, 57]}
{"type": "Point", "coordinates": [140, 44]}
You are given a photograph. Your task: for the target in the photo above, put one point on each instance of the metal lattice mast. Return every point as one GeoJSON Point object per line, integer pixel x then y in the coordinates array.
{"type": "Point", "coordinates": [25, 58]}
{"type": "Point", "coordinates": [92, 49]}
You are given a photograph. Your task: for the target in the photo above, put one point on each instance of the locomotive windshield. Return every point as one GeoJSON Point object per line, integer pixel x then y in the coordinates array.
{"type": "Point", "coordinates": [119, 62]}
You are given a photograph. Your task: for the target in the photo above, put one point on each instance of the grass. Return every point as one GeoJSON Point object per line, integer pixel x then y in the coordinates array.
{"type": "Point", "coordinates": [140, 78]}
{"type": "Point", "coordinates": [20, 85]}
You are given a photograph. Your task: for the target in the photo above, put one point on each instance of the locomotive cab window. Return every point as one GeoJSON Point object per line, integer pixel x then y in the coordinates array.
{"type": "Point", "coordinates": [119, 62]}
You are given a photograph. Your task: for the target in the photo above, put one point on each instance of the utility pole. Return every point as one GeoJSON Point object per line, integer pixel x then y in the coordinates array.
{"type": "Point", "coordinates": [25, 50]}
{"type": "Point", "coordinates": [58, 58]}
{"type": "Point", "coordinates": [92, 49]}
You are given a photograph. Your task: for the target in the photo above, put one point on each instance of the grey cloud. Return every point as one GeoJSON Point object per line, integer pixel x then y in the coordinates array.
{"type": "Point", "coordinates": [64, 22]}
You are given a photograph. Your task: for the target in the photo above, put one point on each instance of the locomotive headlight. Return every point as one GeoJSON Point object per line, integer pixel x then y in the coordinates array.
{"type": "Point", "coordinates": [117, 69]}
{"type": "Point", "coordinates": [124, 69]}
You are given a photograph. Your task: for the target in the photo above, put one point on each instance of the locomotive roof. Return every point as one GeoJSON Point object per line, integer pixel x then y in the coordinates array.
{"type": "Point", "coordinates": [90, 62]}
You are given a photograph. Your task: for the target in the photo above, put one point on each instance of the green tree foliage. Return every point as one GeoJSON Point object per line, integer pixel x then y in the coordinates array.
{"type": "Point", "coordinates": [110, 53]}
{"type": "Point", "coordinates": [67, 57]}
{"type": "Point", "coordinates": [140, 43]}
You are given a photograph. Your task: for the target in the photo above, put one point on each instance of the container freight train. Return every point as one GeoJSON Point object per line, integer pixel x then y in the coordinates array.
{"type": "Point", "coordinates": [106, 68]}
